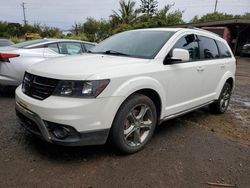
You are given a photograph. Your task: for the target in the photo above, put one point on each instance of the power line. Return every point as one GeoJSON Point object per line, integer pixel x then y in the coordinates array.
{"type": "Point", "coordinates": [24, 16]}
{"type": "Point", "coordinates": [215, 6]}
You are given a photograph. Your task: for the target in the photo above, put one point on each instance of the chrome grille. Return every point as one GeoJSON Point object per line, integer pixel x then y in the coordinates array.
{"type": "Point", "coordinates": [38, 87]}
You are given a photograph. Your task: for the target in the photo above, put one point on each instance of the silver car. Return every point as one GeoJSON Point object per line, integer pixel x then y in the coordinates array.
{"type": "Point", "coordinates": [5, 42]}
{"type": "Point", "coordinates": [16, 59]}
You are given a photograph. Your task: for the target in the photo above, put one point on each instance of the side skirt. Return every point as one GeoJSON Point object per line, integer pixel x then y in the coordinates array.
{"type": "Point", "coordinates": [184, 112]}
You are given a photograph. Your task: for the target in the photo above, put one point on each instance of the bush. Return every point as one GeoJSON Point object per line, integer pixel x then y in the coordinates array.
{"type": "Point", "coordinates": [16, 40]}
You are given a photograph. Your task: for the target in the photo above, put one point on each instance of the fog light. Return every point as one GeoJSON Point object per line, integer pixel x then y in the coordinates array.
{"type": "Point", "coordinates": [60, 132]}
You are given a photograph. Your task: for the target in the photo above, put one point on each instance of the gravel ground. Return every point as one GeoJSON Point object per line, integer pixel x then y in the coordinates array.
{"type": "Point", "coordinates": [188, 151]}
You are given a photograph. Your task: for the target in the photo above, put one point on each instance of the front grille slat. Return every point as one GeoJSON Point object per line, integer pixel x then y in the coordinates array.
{"type": "Point", "coordinates": [38, 87]}
{"type": "Point", "coordinates": [42, 88]}
{"type": "Point", "coordinates": [43, 85]}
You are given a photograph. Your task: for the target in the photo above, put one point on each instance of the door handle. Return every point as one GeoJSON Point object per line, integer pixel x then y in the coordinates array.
{"type": "Point", "coordinates": [200, 69]}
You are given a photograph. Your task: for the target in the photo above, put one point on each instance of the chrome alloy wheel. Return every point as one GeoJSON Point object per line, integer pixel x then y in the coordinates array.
{"type": "Point", "coordinates": [138, 125]}
{"type": "Point", "coordinates": [224, 102]}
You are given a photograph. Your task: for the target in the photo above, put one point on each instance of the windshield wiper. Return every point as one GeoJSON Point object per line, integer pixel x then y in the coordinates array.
{"type": "Point", "coordinates": [113, 52]}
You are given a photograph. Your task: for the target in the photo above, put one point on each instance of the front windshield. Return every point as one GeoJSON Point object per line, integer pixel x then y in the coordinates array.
{"type": "Point", "coordinates": [137, 43]}
{"type": "Point", "coordinates": [28, 43]}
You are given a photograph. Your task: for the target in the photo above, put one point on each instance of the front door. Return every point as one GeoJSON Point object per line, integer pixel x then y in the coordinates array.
{"type": "Point", "coordinates": [185, 79]}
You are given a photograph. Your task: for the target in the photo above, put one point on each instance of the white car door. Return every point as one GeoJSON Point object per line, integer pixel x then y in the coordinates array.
{"type": "Point", "coordinates": [214, 67]}
{"type": "Point", "coordinates": [185, 79]}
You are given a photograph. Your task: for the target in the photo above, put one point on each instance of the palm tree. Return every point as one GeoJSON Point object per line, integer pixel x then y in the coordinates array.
{"type": "Point", "coordinates": [126, 14]}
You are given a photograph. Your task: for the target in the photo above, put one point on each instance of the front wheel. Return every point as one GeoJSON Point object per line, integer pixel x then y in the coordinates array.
{"type": "Point", "coordinates": [134, 124]}
{"type": "Point", "coordinates": [220, 106]}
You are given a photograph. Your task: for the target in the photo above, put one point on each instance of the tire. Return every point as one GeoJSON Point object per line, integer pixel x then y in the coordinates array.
{"type": "Point", "coordinates": [220, 106]}
{"type": "Point", "coordinates": [134, 124]}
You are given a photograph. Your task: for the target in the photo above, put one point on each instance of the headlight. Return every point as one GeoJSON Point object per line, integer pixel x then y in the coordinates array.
{"type": "Point", "coordinates": [80, 88]}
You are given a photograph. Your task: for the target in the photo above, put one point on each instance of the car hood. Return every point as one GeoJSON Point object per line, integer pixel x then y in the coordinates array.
{"type": "Point", "coordinates": [82, 66]}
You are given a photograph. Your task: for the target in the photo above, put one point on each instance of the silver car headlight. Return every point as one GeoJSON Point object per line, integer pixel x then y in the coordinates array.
{"type": "Point", "coordinates": [83, 89]}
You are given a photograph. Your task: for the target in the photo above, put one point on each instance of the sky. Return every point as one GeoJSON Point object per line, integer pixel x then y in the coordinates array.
{"type": "Point", "coordinates": [64, 13]}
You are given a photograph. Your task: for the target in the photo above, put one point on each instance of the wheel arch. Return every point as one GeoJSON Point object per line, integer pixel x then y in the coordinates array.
{"type": "Point", "coordinates": [146, 86]}
{"type": "Point", "coordinates": [228, 77]}
{"type": "Point", "coordinates": [154, 96]}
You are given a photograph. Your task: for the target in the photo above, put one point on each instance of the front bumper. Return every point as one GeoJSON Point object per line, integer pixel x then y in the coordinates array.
{"type": "Point", "coordinates": [82, 114]}
{"type": "Point", "coordinates": [34, 124]}
{"type": "Point", "coordinates": [91, 119]}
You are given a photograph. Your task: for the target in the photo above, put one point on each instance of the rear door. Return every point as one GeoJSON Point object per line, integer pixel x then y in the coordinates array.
{"type": "Point", "coordinates": [213, 68]}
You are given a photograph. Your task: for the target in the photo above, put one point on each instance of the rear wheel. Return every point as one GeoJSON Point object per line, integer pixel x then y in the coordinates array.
{"type": "Point", "coordinates": [220, 106]}
{"type": "Point", "coordinates": [134, 124]}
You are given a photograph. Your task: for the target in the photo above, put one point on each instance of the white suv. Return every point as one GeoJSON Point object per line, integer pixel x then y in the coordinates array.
{"type": "Point", "coordinates": [125, 86]}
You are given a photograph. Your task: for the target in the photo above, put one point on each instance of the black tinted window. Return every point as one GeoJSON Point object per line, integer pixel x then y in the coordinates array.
{"type": "Point", "coordinates": [209, 48]}
{"type": "Point", "coordinates": [189, 43]}
{"type": "Point", "coordinates": [224, 51]}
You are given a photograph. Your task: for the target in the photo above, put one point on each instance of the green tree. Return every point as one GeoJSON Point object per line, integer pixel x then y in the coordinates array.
{"type": "Point", "coordinates": [96, 30]}
{"type": "Point", "coordinates": [14, 29]}
{"type": "Point", "coordinates": [91, 28]}
{"type": "Point", "coordinates": [195, 19]}
{"type": "Point", "coordinates": [49, 31]}
{"type": "Point", "coordinates": [174, 18]}
{"type": "Point", "coordinates": [246, 15]}
{"type": "Point", "coordinates": [149, 7]}
{"type": "Point", "coordinates": [126, 14]}
{"type": "Point", "coordinates": [161, 18]}
{"type": "Point", "coordinates": [212, 17]}
{"type": "Point", "coordinates": [3, 29]}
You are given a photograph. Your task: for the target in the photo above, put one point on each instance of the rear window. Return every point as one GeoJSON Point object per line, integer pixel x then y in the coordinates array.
{"type": "Point", "coordinates": [209, 48]}
{"type": "Point", "coordinates": [89, 46]}
{"type": "Point", "coordinates": [4, 42]}
{"type": "Point", "coordinates": [224, 51]}
{"type": "Point", "coordinates": [26, 44]}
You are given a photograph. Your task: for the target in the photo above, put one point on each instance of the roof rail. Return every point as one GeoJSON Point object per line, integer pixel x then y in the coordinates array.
{"type": "Point", "coordinates": [199, 29]}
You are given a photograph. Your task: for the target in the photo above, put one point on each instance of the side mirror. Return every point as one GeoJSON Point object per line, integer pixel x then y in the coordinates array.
{"type": "Point", "coordinates": [178, 55]}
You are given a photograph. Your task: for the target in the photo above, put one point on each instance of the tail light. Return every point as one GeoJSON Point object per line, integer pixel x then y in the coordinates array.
{"type": "Point", "coordinates": [5, 56]}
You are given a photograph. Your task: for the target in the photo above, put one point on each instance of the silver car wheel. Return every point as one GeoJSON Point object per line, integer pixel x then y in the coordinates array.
{"type": "Point", "coordinates": [224, 102]}
{"type": "Point", "coordinates": [138, 125]}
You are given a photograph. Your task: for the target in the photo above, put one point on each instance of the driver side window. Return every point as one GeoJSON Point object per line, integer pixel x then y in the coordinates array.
{"type": "Point", "coordinates": [190, 43]}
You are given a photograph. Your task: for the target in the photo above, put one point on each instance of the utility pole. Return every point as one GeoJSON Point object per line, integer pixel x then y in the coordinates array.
{"type": "Point", "coordinates": [24, 16]}
{"type": "Point", "coordinates": [215, 6]}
